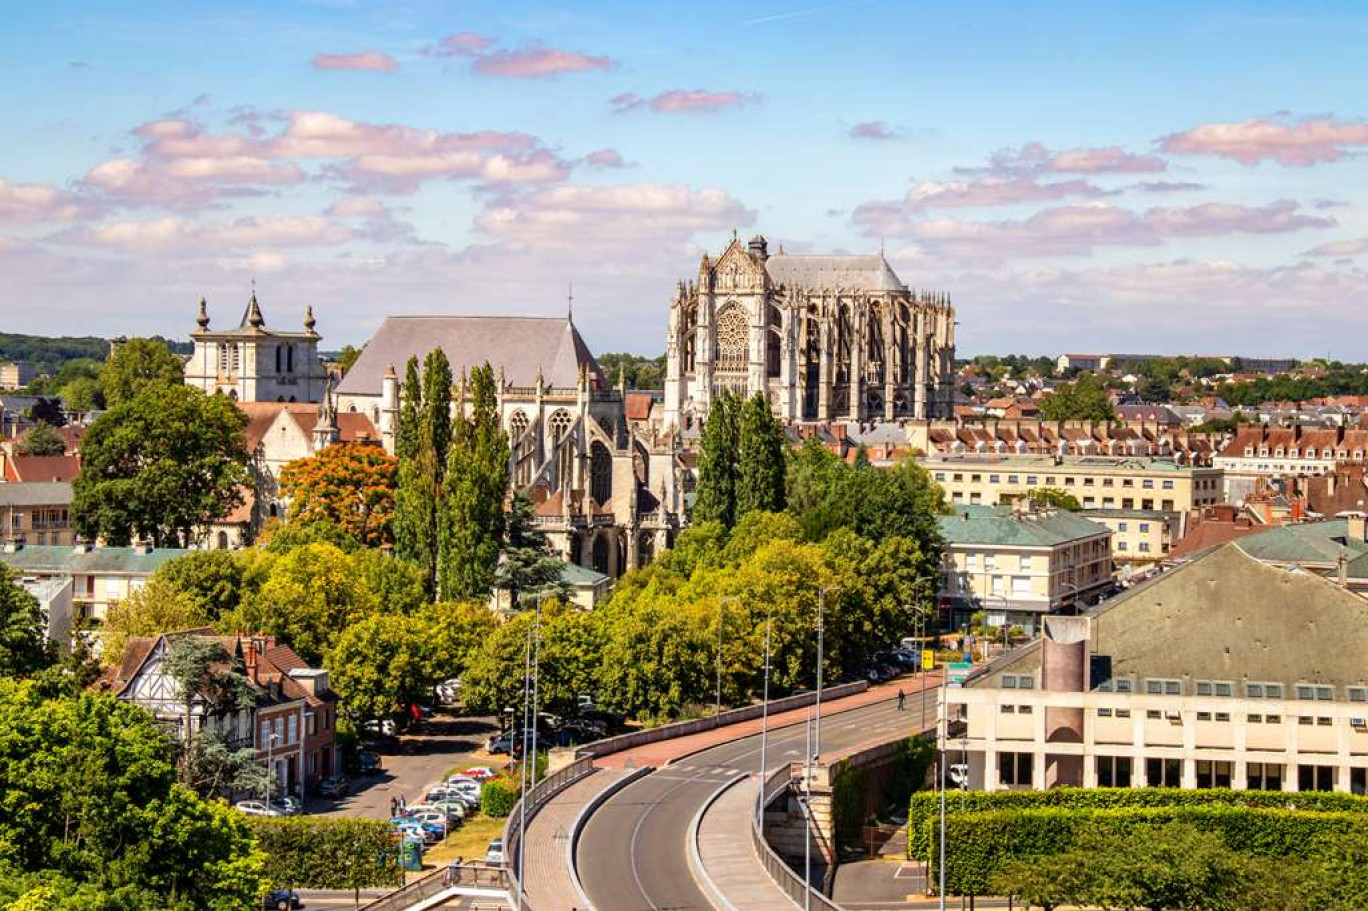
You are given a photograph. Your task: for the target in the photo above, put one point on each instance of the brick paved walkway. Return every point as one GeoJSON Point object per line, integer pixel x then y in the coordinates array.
{"type": "Point", "coordinates": [728, 854]}
{"type": "Point", "coordinates": [663, 752]}
{"type": "Point", "coordinates": [548, 842]}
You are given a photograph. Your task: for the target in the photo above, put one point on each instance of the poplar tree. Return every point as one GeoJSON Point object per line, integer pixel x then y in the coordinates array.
{"type": "Point", "coordinates": [762, 464]}
{"type": "Point", "coordinates": [472, 511]}
{"type": "Point", "coordinates": [421, 444]}
{"type": "Point", "coordinates": [717, 468]}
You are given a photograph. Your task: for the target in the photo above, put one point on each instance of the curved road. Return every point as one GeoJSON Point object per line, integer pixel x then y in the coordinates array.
{"type": "Point", "coordinates": [633, 853]}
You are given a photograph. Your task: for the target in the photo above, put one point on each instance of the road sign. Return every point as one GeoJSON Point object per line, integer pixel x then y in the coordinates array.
{"type": "Point", "coordinates": [956, 671]}
{"type": "Point", "coordinates": [928, 659]}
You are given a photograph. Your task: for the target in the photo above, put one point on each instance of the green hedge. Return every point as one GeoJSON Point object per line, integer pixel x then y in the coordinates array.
{"type": "Point", "coordinates": [498, 796]}
{"type": "Point", "coordinates": [319, 852]}
{"type": "Point", "coordinates": [924, 806]}
{"type": "Point", "coordinates": [979, 844]}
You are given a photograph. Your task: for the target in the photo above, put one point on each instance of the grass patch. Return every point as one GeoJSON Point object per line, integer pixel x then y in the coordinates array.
{"type": "Point", "coordinates": [469, 842]}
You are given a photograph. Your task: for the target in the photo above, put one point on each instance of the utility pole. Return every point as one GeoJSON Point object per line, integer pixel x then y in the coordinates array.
{"type": "Point", "coordinates": [821, 639]}
{"type": "Point", "coordinates": [522, 772]}
{"type": "Point", "coordinates": [940, 743]}
{"type": "Point", "coordinates": [536, 680]}
{"type": "Point", "coordinates": [764, 731]}
{"type": "Point", "coordinates": [807, 820]}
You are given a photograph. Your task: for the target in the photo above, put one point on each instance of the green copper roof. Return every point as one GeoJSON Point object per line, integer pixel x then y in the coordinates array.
{"type": "Point", "coordinates": [1307, 542]}
{"type": "Point", "coordinates": [49, 560]}
{"type": "Point", "coordinates": [995, 525]}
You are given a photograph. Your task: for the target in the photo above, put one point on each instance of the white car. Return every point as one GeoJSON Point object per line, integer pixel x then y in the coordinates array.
{"type": "Point", "coordinates": [287, 805]}
{"type": "Point", "coordinates": [256, 808]}
{"type": "Point", "coordinates": [462, 781]}
{"type": "Point", "coordinates": [495, 854]}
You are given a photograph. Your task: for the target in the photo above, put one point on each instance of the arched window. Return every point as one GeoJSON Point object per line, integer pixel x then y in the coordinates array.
{"type": "Point", "coordinates": [733, 340]}
{"type": "Point", "coordinates": [223, 357]}
{"type": "Point", "coordinates": [277, 355]}
{"type": "Point", "coordinates": [223, 540]}
{"type": "Point", "coordinates": [517, 425]}
{"type": "Point", "coordinates": [289, 359]}
{"type": "Point", "coordinates": [601, 554]}
{"type": "Point", "coordinates": [689, 336]}
{"type": "Point", "coordinates": [559, 425]}
{"type": "Point", "coordinates": [600, 473]}
{"type": "Point", "coordinates": [772, 353]}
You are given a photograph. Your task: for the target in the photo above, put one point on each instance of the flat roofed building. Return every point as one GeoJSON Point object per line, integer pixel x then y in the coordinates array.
{"type": "Point", "coordinates": [1225, 672]}
{"type": "Point", "coordinates": [1141, 538]}
{"type": "Point", "coordinates": [1016, 566]}
{"type": "Point", "coordinates": [1098, 482]}
{"type": "Point", "coordinates": [16, 374]}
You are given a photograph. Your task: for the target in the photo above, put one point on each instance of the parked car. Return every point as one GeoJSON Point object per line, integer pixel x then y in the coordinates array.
{"type": "Point", "coordinates": [336, 786]}
{"type": "Point", "coordinates": [495, 854]}
{"type": "Point", "coordinates": [369, 762]}
{"type": "Point", "coordinates": [454, 809]}
{"type": "Point", "coordinates": [433, 816]}
{"type": "Point", "coordinates": [281, 900]}
{"type": "Point", "coordinates": [256, 808]}
{"type": "Point", "coordinates": [511, 744]}
{"type": "Point", "coordinates": [384, 727]}
{"type": "Point", "coordinates": [448, 691]}
{"type": "Point", "coordinates": [287, 805]}
{"type": "Point", "coordinates": [478, 772]}
{"type": "Point", "coordinates": [414, 828]}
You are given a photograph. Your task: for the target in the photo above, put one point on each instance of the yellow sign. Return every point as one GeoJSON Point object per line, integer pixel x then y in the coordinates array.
{"type": "Point", "coordinates": [928, 659]}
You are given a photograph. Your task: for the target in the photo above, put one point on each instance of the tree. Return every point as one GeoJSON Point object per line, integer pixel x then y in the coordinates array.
{"type": "Point", "coordinates": [82, 394]}
{"type": "Point", "coordinates": [158, 607]}
{"type": "Point", "coordinates": [421, 445]}
{"type": "Point", "coordinates": [1055, 498]}
{"type": "Point", "coordinates": [46, 411]}
{"type": "Point", "coordinates": [41, 440]}
{"type": "Point", "coordinates": [310, 596]}
{"type": "Point", "coordinates": [136, 364]}
{"type": "Point", "coordinates": [217, 580]}
{"type": "Point", "coordinates": [717, 463]}
{"type": "Point", "coordinates": [398, 586]}
{"type": "Point", "coordinates": [456, 631]}
{"type": "Point", "coordinates": [379, 665]}
{"type": "Point", "coordinates": [762, 459]}
{"type": "Point", "coordinates": [528, 564]}
{"type": "Point", "coordinates": [88, 800]}
{"type": "Point", "coordinates": [1085, 399]}
{"type": "Point", "coordinates": [436, 427]}
{"type": "Point", "coordinates": [203, 674]}
{"type": "Point", "coordinates": [476, 483]}
{"type": "Point", "coordinates": [24, 646]}
{"type": "Point", "coordinates": [350, 484]}
{"type": "Point", "coordinates": [159, 465]}
{"type": "Point", "coordinates": [346, 358]}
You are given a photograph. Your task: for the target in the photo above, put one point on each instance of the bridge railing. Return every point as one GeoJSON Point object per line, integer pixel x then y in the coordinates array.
{"type": "Point", "coordinates": [470, 875]}
{"type": "Point", "coordinates": [546, 789]}
{"type": "Point", "coordinates": [772, 787]}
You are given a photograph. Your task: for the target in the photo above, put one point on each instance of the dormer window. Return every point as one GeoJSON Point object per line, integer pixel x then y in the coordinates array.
{"type": "Point", "coordinates": [1292, 453]}
{"type": "Point", "coordinates": [1263, 450]}
{"type": "Point", "coordinates": [1278, 453]}
{"type": "Point", "coordinates": [1343, 453]}
{"type": "Point", "coordinates": [1358, 454]}
{"type": "Point", "coordinates": [1249, 451]}
{"type": "Point", "coordinates": [1311, 453]}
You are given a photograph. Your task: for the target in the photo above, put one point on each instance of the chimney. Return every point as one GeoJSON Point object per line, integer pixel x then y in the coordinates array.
{"type": "Point", "coordinates": [1357, 529]}
{"type": "Point", "coordinates": [249, 654]}
{"type": "Point", "coordinates": [1343, 566]}
{"type": "Point", "coordinates": [142, 547]}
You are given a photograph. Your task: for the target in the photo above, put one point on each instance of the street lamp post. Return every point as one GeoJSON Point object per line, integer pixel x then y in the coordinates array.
{"type": "Point", "coordinates": [522, 772]}
{"type": "Point", "coordinates": [764, 729]}
{"type": "Point", "coordinates": [821, 639]}
{"type": "Point", "coordinates": [807, 820]}
{"type": "Point", "coordinates": [271, 739]}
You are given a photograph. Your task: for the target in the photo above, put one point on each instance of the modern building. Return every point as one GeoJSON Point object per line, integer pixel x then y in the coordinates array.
{"type": "Point", "coordinates": [1016, 565]}
{"type": "Point", "coordinates": [36, 512]}
{"type": "Point", "coordinates": [254, 363]}
{"type": "Point", "coordinates": [100, 576]}
{"type": "Point", "coordinates": [823, 337]}
{"type": "Point", "coordinates": [290, 724]}
{"type": "Point", "coordinates": [1141, 538]}
{"type": "Point", "coordinates": [1094, 363]}
{"type": "Point", "coordinates": [1098, 482]}
{"type": "Point", "coordinates": [56, 604]}
{"type": "Point", "coordinates": [1225, 672]}
{"type": "Point", "coordinates": [17, 374]}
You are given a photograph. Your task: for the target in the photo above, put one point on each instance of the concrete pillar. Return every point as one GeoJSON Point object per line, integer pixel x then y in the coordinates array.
{"type": "Point", "coordinates": [1064, 669]}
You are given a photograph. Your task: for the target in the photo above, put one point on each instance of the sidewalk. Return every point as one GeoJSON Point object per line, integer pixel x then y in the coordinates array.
{"type": "Point", "coordinates": [728, 854]}
{"type": "Point", "coordinates": [663, 752]}
{"type": "Point", "coordinates": [548, 843]}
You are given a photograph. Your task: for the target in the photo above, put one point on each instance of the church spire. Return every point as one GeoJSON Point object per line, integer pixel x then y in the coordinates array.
{"type": "Point", "coordinates": [570, 302]}
{"type": "Point", "coordinates": [253, 315]}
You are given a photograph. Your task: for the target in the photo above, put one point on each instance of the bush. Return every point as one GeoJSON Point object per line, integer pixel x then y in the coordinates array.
{"type": "Point", "coordinates": [979, 845]}
{"type": "Point", "coordinates": [498, 796]}
{"type": "Point", "coordinates": [924, 806]}
{"type": "Point", "coordinates": [315, 852]}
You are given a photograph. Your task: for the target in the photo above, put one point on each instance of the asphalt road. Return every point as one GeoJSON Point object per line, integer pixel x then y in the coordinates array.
{"type": "Point", "coordinates": [633, 852]}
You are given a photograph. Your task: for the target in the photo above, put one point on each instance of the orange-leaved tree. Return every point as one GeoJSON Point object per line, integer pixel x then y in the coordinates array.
{"type": "Point", "coordinates": [349, 484]}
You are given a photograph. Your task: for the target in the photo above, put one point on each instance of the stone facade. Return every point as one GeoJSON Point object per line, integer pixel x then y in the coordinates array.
{"type": "Point", "coordinates": [823, 337]}
{"type": "Point", "coordinates": [253, 363]}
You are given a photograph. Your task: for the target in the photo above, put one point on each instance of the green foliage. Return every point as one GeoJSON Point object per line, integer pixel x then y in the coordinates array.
{"type": "Point", "coordinates": [456, 632]}
{"type": "Point", "coordinates": [380, 664]}
{"type": "Point", "coordinates": [848, 788]}
{"type": "Point", "coordinates": [160, 464]}
{"type": "Point", "coordinates": [50, 354]}
{"type": "Point", "coordinates": [762, 459]}
{"type": "Point", "coordinates": [41, 440]}
{"type": "Point", "coordinates": [472, 516]}
{"type": "Point", "coordinates": [346, 358]}
{"type": "Point", "coordinates": [1085, 399]}
{"type": "Point", "coordinates": [24, 647]}
{"type": "Point", "coordinates": [1054, 497]}
{"type": "Point", "coordinates": [435, 415]}
{"type": "Point", "coordinates": [396, 584]}
{"type": "Point", "coordinates": [924, 806]}
{"type": "Point", "coordinates": [493, 676]}
{"type": "Point", "coordinates": [318, 852]}
{"type": "Point", "coordinates": [416, 500]}
{"type": "Point", "coordinates": [217, 580]}
{"type": "Point", "coordinates": [717, 462]}
{"type": "Point", "coordinates": [158, 607]}
{"type": "Point", "coordinates": [499, 796]}
{"type": "Point", "coordinates": [278, 537]}
{"type": "Point", "coordinates": [135, 365]}
{"type": "Point", "coordinates": [639, 371]}
{"type": "Point", "coordinates": [529, 564]}
{"type": "Point", "coordinates": [88, 800]}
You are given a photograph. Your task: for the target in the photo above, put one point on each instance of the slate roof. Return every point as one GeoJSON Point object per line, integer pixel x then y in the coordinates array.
{"type": "Point", "coordinates": [520, 344]}
{"type": "Point", "coordinates": [996, 526]}
{"type": "Point", "coordinates": [36, 493]}
{"type": "Point", "coordinates": [866, 273]}
{"type": "Point", "coordinates": [116, 560]}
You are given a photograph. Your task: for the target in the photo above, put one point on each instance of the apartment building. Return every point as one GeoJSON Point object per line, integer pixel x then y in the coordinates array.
{"type": "Point", "coordinates": [36, 512]}
{"type": "Point", "coordinates": [1225, 672]}
{"type": "Point", "coordinates": [1018, 565]}
{"type": "Point", "coordinates": [1141, 538]}
{"type": "Point", "coordinates": [1098, 482]}
{"type": "Point", "coordinates": [1258, 452]}
{"type": "Point", "coordinates": [100, 576]}
{"type": "Point", "coordinates": [17, 374]}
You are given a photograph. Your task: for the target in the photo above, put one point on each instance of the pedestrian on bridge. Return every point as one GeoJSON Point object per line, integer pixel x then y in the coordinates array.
{"type": "Point", "coordinates": [902, 698]}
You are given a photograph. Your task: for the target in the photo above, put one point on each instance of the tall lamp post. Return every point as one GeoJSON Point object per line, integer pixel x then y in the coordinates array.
{"type": "Point", "coordinates": [764, 729]}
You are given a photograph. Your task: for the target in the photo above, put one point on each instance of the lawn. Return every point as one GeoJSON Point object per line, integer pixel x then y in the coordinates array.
{"type": "Point", "coordinates": [469, 842]}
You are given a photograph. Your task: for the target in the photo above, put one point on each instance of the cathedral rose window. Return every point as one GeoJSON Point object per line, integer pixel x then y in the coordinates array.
{"type": "Point", "coordinates": [733, 340]}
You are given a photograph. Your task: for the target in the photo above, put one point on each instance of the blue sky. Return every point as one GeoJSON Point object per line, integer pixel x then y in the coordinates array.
{"type": "Point", "coordinates": [1168, 177]}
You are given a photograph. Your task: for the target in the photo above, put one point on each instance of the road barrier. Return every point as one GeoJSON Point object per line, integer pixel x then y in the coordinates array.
{"type": "Point", "coordinates": [577, 829]}
{"type": "Point", "coordinates": [546, 789]}
{"type": "Point", "coordinates": [731, 716]}
{"type": "Point", "coordinates": [790, 882]}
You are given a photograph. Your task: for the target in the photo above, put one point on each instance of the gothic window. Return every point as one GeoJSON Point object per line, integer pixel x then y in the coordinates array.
{"type": "Point", "coordinates": [517, 425]}
{"type": "Point", "coordinates": [600, 473]}
{"type": "Point", "coordinates": [289, 359]}
{"type": "Point", "coordinates": [641, 465]}
{"type": "Point", "coordinates": [222, 357]}
{"type": "Point", "coordinates": [277, 356]}
{"type": "Point", "coordinates": [690, 336]}
{"type": "Point", "coordinates": [601, 554]}
{"type": "Point", "coordinates": [772, 316]}
{"type": "Point", "coordinates": [237, 357]}
{"type": "Point", "coordinates": [646, 550]}
{"type": "Point", "coordinates": [733, 339]}
{"type": "Point", "coordinates": [559, 425]}
{"type": "Point", "coordinates": [772, 350]}
{"type": "Point", "coordinates": [223, 540]}
{"type": "Point", "coordinates": [574, 550]}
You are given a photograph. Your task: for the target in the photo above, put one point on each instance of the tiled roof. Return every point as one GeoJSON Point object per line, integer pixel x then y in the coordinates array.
{"type": "Point", "coordinates": [1306, 542]}
{"type": "Point", "coordinates": [520, 344]}
{"type": "Point", "coordinates": [42, 468]}
{"type": "Point", "coordinates": [638, 406]}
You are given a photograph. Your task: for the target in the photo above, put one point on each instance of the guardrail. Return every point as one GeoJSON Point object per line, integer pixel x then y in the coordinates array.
{"type": "Point", "coordinates": [731, 716]}
{"type": "Point", "coordinates": [470, 875]}
{"type": "Point", "coordinates": [546, 789]}
{"type": "Point", "coordinates": [788, 881]}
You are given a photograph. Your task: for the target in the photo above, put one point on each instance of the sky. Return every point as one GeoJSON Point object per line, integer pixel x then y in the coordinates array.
{"type": "Point", "coordinates": [1077, 177]}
